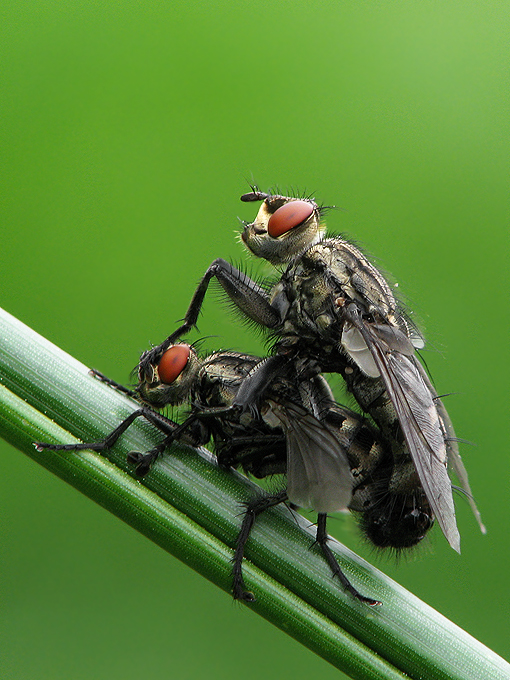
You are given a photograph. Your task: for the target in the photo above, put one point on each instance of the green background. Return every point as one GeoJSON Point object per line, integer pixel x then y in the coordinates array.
{"type": "Point", "coordinates": [128, 133]}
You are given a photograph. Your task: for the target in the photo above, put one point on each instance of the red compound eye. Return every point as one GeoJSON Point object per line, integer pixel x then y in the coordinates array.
{"type": "Point", "coordinates": [173, 362]}
{"type": "Point", "coordinates": [288, 216]}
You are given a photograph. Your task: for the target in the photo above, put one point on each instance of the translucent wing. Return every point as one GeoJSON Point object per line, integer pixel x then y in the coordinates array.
{"type": "Point", "coordinates": [419, 419]}
{"type": "Point", "coordinates": [357, 348]}
{"type": "Point", "coordinates": [318, 472]}
{"type": "Point", "coordinates": [452, 450]}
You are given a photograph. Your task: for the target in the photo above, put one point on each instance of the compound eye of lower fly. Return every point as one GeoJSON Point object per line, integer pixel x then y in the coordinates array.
{"type": "Point", "coordinates": [173, 362]}
{"type": "Point", "coordinates": [288, 216]}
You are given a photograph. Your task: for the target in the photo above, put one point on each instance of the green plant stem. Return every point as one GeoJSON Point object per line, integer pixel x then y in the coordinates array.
{"type": "Point", "coordinates": [191, 508]}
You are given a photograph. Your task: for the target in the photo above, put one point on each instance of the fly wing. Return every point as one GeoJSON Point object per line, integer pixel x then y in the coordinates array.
{"type": "Point", "coordinates": [356, 346]}
{"type": "Point", "coordinates": [419, 420]}
{"type": "Point", "coordinates": [452, 450]}
{"type": "Point", "coordinates": [357, 349]}
{"type": "Point", "coordinates": [318, 472]}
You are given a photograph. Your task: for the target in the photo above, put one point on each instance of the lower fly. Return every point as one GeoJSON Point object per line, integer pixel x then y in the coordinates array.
{"type": "Point", "coordinates": [332, 457]}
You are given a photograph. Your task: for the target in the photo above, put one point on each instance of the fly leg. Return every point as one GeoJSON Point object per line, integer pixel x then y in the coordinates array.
{"type": "Point", "coordinates": [113, 384]}
{"type": "Point", "coordinates": [163, 424]}
{"type": "Point", "coordinates": [253, 509]}
{"type": "Point", "coordinates": [261, 376]}
{"type": "Point", "coordinates": [245, 293]}
{"type": "Point", "coordinates": [144, 461]}
{"type": "Point", "coordinates": [322, 539]}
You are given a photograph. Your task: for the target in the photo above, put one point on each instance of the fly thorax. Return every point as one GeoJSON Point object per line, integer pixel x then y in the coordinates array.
{"type": "Point", "coordinates": [312, 303]}
{"type": "Point", "coordinates": [279, 299]}
{"type": "Point", "coordinates": [367, 289]}
{"type": "Point", "coordinates": [366, 283]}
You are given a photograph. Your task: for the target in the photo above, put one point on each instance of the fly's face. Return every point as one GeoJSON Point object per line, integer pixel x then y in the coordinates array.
{"type": "Point", "coordinates": [171, 379]}
{"type": "Point", "coordinates": [284, 227]}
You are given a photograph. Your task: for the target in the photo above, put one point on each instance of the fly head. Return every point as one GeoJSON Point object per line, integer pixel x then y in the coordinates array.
{"type": "Point", "coordinates": [170, 380]}
{"type": "Point", "coordinates": [284, 227]}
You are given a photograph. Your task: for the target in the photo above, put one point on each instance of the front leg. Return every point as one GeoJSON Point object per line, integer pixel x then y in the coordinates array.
{"type": "Point", "coordinates": [245, 293]}
{"type": "Point", "coordinates": [168, 427]}
{"type": "Point", "coordinates": [114, 384]}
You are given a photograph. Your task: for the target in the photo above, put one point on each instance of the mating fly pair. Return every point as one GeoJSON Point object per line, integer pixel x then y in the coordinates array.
{"type": "Point", "coordinates": [330, 311]}
{"type": "Point", "coordinates": [333, 311]}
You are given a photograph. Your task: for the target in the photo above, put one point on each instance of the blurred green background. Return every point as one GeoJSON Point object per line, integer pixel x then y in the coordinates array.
{"type": "Point", "coordinates": [128, 132]}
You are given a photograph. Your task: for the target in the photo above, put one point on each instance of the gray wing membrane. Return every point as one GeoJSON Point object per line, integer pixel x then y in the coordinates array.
{"type": "Point", "coordinates": [420, 423]}
{"type": "Point", "coordinates": [452, 450]}
{"type": "Point", "coordinates": [356, 346]}
{"type": "Point", "coordinates": [318, 472]}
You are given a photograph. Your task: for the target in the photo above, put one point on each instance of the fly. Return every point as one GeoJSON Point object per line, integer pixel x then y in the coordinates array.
{"type": "Point", "coordinates": [334, 302]}
{"type": "Point", "coordinates": [332, 456]}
